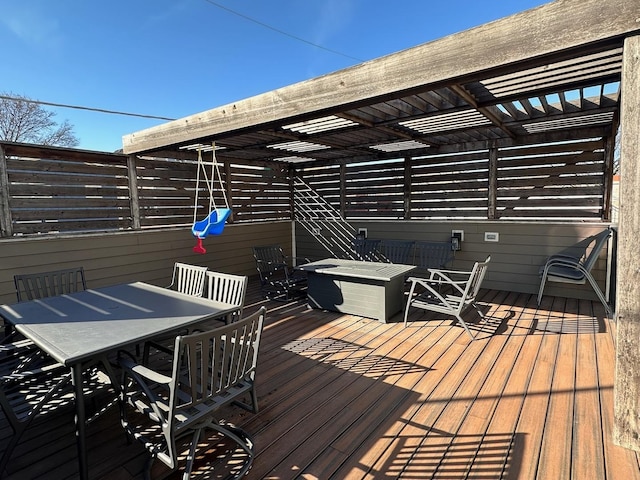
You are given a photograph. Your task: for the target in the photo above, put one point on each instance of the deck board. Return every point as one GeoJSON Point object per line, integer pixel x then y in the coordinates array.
{"type": "Point", "coordinates": [347, 397]}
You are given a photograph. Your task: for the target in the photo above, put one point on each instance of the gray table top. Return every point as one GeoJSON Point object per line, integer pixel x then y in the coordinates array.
{"type": "Point", "coordinates": [358, 269]}
{"type": "Point", "coordinates": [77, 327]}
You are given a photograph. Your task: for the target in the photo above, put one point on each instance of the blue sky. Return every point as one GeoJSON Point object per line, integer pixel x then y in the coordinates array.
{"type": "Point", "coordinates": [173, 58]}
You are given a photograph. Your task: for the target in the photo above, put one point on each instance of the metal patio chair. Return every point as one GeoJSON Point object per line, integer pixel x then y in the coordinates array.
{"type": "Point", "coordinates": [574, 265]}
{"type": "Point", "coordinates": [432, 255]}
{"type": "Point", "coordinates": [396, 251]}
{"type": "Point", "coordinates": [188, 279]}
{"type": "Point", "coordinates": [447, 291]}
{"type": "Point", "coordinates": [209, 370]}
{"type": "Point", "coordinates": [279, 280]}
{"type": "Point", "coordinates": [227, 288]}
{"type": "Point", "coordinates": [367, 250]}
{"type": "Point", "coordinates": [32, 385]}
{"type": "Point", "coordinates": [31, 286]}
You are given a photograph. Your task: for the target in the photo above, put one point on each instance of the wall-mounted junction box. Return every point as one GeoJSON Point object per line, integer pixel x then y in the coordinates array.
{"type": "Point", "coordinates": [491, 237]}
{"type": "Point", "coordinates": [457, 237]}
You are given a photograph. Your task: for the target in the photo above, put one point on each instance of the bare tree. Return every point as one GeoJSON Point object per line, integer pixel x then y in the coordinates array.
{"type": "Point", "coordinates": [24, 120]}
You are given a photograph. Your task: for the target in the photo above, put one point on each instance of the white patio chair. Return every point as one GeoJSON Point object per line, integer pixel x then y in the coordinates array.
{"type": "Point", "coordinates": [574, 265]}
{"type": "Point", "coordinates": [209, 370]}
{"type": "Point", "coordinates": [227, 288]}
{"type": "Point", "coordinates": [188, 279]}
{"type": "Point", "coordinates": [447, 291]}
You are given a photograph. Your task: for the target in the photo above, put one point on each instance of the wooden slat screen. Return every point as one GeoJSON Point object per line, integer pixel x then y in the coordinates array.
{"type": "Point", "coordinates": [561, 180]}
{"type": "Point", "coordinates": [325, 181]}
{"type": "Point", "coordinates": [51, 195]}
{"type": "Point", "coordinates": [49, 190]}
{"type": "Point", "coordinates": [166, 192]}
{"type": "Point", "coordinates": [260, 193]}
{"type": "Point", "coordinates": [375, 190]}
{"type": "Point", "coordinates": [450, 186]}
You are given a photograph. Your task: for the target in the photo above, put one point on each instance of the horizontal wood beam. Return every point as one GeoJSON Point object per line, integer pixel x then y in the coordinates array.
{"type": "Point", "coordinates": [554, 27]}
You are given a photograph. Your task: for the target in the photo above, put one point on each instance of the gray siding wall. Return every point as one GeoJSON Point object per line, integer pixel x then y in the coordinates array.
{"type": "Point", "coordinates": [131, 256]}
{"type": "Point", "coordinates": [149, 256]}
{"type": "Point", "coordinates": [515, 259]}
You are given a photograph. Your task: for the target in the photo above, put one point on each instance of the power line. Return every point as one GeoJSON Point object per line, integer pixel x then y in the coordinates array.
{"type": "Point", "coordinates": [282, 32]}
{"type": "Point", "coordinates": [78, 107]}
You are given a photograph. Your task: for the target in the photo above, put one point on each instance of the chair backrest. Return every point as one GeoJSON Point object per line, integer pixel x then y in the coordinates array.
{"type": "Point", "coordinates": [475, 281]}
{"type": "Point", "coordinates": [397, 251]}
{"type": "Point", "coordinates": [188, 279]}
{"type": "Point", "coordinates": [223, 287]}
{"type": "Point", "coordinates": [31, 286]}
{"type": "Point", "coordinates": [214, 368]}
{"type": "Point", "coordinates": [599, 240]}
{"type": "Point", "coordinates": [269, 256]}
{"type": "Point", "coordinates": [271, 262]}
{"type": "Point", "coordinates": [367, 249]}
{"type": "Point", "coordinates": [432, 254]}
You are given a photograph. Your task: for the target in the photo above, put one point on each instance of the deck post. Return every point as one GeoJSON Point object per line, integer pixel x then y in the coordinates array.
{"type": "Point", "coordinates": [627, 381]}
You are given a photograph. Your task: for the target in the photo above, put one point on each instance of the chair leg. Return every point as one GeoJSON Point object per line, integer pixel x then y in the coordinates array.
{"type": "Point", "coordinates": [192, 454]}
{"type": "Point", "coordinates": [543, 280]}
{"type": "Point", "coordinates": [599, 293]}
{"type": "Point", "coordinates": [464, 324]}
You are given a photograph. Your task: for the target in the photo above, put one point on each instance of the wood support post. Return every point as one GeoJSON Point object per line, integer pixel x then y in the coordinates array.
{"type": "Point", "coordinates": [627, 380]}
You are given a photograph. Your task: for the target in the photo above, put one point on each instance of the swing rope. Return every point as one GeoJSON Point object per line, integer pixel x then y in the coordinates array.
{"type": "Point", "coordinates": [215, 220]}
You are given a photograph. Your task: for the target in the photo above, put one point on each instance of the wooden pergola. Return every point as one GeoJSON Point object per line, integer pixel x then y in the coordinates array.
{"type": "Point", "coordinates": [563, 71]}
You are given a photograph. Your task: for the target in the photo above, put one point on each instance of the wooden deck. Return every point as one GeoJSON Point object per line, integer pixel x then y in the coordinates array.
{"type": "Point", "coordinates": [346, 397]}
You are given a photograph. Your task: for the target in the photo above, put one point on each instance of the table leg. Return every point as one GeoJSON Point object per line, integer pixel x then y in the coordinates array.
{"type": "Point", "coordinates": [76, 379]}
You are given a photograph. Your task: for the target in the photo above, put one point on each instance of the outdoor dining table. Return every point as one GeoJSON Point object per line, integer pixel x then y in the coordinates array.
{"type": "Point", "coordinates": [81, 328]}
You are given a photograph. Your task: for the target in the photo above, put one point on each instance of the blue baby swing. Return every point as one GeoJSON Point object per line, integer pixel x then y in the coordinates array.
{"type": "Point", "coordinates": [214, 223]}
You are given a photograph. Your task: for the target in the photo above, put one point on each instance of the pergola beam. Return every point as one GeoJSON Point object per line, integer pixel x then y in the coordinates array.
{"type": "Point", "coordinates": [555, 27]}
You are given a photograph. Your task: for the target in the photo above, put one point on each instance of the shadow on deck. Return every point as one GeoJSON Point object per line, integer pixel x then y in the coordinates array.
{"type": "Point", "coordinates": [348, 397]}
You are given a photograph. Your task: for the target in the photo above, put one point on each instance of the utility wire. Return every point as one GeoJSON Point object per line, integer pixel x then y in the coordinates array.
{"type": "Point", "coordinates": [77, 107]}
{"type": "Point", "coordinates": [262, 24]}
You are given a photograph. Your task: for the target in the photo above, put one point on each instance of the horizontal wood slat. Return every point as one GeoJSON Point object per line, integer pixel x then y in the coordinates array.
{"type": "Point", "coordinates": [553, 180]}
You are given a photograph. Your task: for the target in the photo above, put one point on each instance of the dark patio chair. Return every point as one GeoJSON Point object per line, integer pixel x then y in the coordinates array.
{"type": "Point", "coordinates": [432, 255]}
{"type": "Point", "coordinates": [209, 370]}
{"type": "Point", "coordinates": [574, 265]}
{"type": "Point", "coordinates": [279, 279]}
{"type": "Point", "coordinates": [367, 250]}
{"type": "Point", "coordinates": [31, 286]}
{"type": "Point", "coordinates": [33, 385]}
{"type": "Point", "coordinates": [396, 251]}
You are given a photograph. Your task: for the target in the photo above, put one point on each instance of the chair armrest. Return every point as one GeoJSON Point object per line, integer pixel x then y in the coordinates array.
{"type": "Point", "coordinates": [25, 374]}
{"type": "Point", "coordinates": [428, 286]}
{"type": "Point", "coordinates": [563, 260]}
{"type": "Point", "coordinates": [439, 278]}
{"type": "Point", "coordinates": [141, 371]}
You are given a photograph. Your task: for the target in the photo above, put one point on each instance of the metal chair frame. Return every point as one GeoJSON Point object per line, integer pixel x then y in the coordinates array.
{"type": "Point", "coordinates": [188, 279]}
{"type": "Point", "coordinates": [278, 279]}
{"type": "Point", "coordinates": [209, 370]}
{"type": "Point", "coordinates": [31, 286]}
{"type": "Point", "coordinates": [574, 265]}
{"type": "Point", "coordinates": [227, 288]}
{"type": "Point", "coordinates": [448, 291]}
